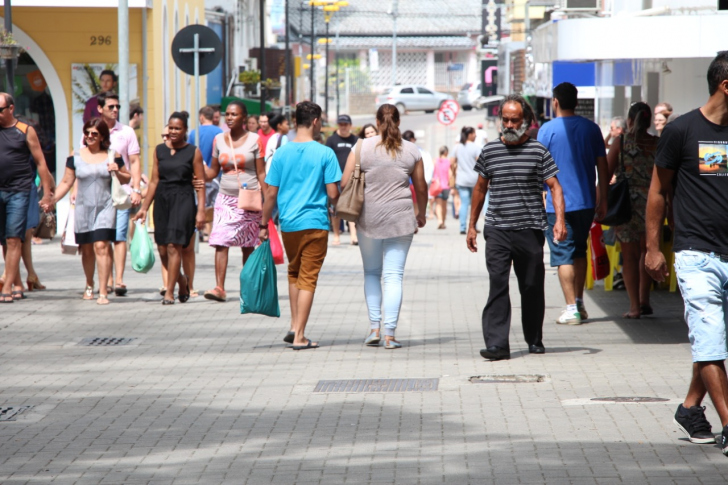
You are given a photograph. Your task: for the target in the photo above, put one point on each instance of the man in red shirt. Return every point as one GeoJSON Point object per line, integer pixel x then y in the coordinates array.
{"type": "Point", "coordinates": [265, 131]}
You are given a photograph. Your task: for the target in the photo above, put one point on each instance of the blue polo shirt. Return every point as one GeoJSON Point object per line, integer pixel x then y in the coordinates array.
{"type": "Point", "coordinates": [575, 143]}
{"type": "Point", "coordinates": [301, 172]}
{"type": "Point", "coordinates": [207, 138]}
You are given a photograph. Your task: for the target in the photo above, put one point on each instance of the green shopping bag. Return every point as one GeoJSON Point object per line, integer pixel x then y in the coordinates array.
{"type": "Point", "coordinates": [259, 283]}
{"type": "Point", "coordinates": [142, 250]}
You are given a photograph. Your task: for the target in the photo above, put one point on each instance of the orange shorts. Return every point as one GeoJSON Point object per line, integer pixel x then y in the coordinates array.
{"type": "Point", "coordinates": [306, 251]}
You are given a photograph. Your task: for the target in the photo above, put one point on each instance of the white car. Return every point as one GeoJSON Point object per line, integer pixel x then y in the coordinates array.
{"type": "Point", "coordinates": [412, 98]}
{"type": "Point", "coordinates": [468, 95]}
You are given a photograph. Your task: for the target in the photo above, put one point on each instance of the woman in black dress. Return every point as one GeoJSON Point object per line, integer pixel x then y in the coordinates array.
{"type": "Point", "coordinates": [175, 213]}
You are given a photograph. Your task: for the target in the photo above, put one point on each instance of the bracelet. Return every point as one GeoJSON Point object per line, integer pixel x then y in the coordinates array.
{"type": "Point", "coordinates": [262, 226]}
{"type": "Point", "coordinates": [137, 191]}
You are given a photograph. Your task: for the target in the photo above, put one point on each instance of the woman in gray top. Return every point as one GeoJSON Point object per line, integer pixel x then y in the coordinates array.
{"type": "Point", "coordinates": [387, 221]}
{"type": "Point", "coordinates": [95, 214]}
{"type": "Point", "coordinates": [466, 153]}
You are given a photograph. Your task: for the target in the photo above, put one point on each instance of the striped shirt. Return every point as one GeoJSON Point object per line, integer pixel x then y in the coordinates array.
{"type": "Point", "coordinates": [516, 174]}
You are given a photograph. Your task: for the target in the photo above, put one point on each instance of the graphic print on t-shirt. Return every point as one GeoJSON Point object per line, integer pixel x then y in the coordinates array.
{"type": "Point", "coordinates": [713, 158]}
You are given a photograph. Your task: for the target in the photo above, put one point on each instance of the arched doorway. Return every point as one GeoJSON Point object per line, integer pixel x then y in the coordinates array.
{"type": "Point", "coordinates": [35, 60]}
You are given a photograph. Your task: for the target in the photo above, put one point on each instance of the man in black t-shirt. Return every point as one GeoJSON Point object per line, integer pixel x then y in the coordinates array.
{"type": "Point", "coordinates": [515, 168]}
{"type": "Point", "coordinates": [342, 142]}
{"type": "Point", "coordinates": [690, 169]}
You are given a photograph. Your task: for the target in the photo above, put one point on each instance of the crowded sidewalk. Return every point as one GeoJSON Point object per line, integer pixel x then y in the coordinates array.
{"type": "Point", "coordinates": [203, 394]}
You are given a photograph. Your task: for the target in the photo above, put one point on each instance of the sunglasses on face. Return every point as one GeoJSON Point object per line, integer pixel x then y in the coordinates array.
{"type": "Point", "coordinates": [91, 134]}
{"type": "Point", "coordinates": [112, 107]}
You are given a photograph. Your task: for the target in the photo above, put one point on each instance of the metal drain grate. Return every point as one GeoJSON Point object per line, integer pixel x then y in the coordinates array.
{"type": "Point", "coordinates": [105, 341]}
{"type": "Point", "coordinates": [378, 385]}
{"type": "Point", "coordinates": [512, 378]}
{"type": "Point", "coordinates": [10, 413]}
{"type": "Point", "coordinates": [634, 399]}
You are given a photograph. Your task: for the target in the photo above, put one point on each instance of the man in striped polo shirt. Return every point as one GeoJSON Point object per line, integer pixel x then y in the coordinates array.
{"type": "Point", "coordinates": [514, 168]}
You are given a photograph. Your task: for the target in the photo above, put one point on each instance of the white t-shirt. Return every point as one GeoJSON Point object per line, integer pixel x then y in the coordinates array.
{"type": "Point", "coordinates": [428, 165]}
{"type": "Point", "coordinates": [271, 148]}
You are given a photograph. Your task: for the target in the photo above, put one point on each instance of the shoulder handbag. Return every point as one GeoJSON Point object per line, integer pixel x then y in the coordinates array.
{"type": "Point", "coordinates": [351, 199]}
{"type": "Point", "coordinates": [249, 200]}
{"type": "Point", "coordinates": [119, 196]}
{"type": "Point", "coordinates": [619, 204]}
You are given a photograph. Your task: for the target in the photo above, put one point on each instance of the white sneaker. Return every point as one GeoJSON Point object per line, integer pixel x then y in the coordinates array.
{"type": "Point", "coordinates": [569, 318]}
{"type": "Point", "coordinates": [582, 310]}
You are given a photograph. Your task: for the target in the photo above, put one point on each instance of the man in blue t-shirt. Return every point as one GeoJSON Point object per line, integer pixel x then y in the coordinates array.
{"type": "Point", "coordinates": [208, 132]}
{"type": "Point", "coordinates": [577, 146]}
{"type": "Point", "coordinates": [303, 177]}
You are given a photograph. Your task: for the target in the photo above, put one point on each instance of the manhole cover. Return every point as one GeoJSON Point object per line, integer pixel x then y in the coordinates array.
{"type": "Point", "coordinates": [378, 385]}
{"type": "Point", "coordinates": [10, 413]}
{"type": "Point", "coordinates": [513, 378]}
{"type": "Point", "coordinates": [105, 341]}
{"type": "Point", "coordinates": [635, 399]}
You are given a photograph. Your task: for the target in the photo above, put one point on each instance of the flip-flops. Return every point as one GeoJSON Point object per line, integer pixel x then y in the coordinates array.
{"type": "Point", "coordinates": [217, 294]}
{"type": "Point", "coordinates": [120, 290]}
{"type": "Point", "coordinates": [289, 337]}
{"type": "Point", "coordinates": [310, 345]}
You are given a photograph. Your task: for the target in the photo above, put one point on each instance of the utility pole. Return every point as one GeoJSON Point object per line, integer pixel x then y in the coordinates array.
{"type": "Point", "coordinates": [123, 86]}
{"type": "Point", "coordinates": [394, 42]}
{"type": "Point", "coordinates": [288, 69]}
{"type": "Point", "coordinates": [262, 57]}
{"type": "Point", "coordinates": [313, 61]}
{"type": "Point", "coordinates": [326, 78]}
{"type": "Point", "coordinates": [9, 63]}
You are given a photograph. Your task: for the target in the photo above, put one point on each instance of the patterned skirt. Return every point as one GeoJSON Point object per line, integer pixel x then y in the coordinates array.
{"type": "Point", "coordinates": [233, 227]}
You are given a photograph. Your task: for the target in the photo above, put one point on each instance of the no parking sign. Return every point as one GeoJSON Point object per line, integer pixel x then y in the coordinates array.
{"type": "Point", "coordinates": [446, 116]}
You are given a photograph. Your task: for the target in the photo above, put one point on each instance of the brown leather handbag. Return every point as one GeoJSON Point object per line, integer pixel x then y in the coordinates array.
{"type": "Point", "coordinates": [47, 227]}
{"type": "Point", "coordinates": [351, 199]}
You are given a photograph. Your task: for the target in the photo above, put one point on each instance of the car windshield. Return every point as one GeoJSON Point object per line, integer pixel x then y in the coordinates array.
{"type": "Point", "coordinates": [466, 86]}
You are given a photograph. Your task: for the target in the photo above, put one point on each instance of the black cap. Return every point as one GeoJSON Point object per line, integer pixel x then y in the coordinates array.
{"type": "Point", "coordinates": [344, 119]}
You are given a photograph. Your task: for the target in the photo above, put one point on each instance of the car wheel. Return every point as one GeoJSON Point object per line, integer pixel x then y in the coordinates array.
{"type": "Point", "coordinates": [428, 111]}
{"type": "Point", "coordinates": [467, 108]}
{"type": "Point", "coordinates": [401, 108]}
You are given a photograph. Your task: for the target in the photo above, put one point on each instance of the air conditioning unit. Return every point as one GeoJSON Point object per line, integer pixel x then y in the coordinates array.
{"type": "Point", "coordinates": [581, 5]}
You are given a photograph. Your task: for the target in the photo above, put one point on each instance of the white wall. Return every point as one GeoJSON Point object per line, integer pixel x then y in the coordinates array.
{"type": "Point", "coordinates": [685, 88]}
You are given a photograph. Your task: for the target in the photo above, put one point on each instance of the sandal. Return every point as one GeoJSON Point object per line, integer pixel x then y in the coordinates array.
{"type": "Point", "coordinates": [646, 310]}
{"type": "Point", "coordinates": [4, 298]}
{"type": "Point", "coordinates": [120, 290]}
{"type": "Point", "coordinates": [162, 290]}
{"type": "Point", "coordinates": [183, 297]}
{"type": "Point", "coordinates": [102, 300]}
{"type": "Point", "coordinates": [309, 345]}
{"type": "Point", "coordinates": [631, 316]}
{"type": "Point", "coordinates": [34, 284]}
{"type": "Point", "coordinates": [216, 294]}
{"type": "Point", "coordinates": [18, 295]}
{"type": "Point", "coordinates": [167, 302]}
{"type": "Point", "coordinates": [88, 293]}
{"type": "Point", "coordinates": [392, 344]}
{"type": "Point", "coordinates": [194, 293]}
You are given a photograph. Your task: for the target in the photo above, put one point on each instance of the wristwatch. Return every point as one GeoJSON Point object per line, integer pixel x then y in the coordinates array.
{"type": "Point", "coordinates": [137, 191]}
{"type": "Point", "coordinates": [263, 226]}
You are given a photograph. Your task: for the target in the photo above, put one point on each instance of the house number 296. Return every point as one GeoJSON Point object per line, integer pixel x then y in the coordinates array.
{"type": "Point", "coordinates": [100, 40]}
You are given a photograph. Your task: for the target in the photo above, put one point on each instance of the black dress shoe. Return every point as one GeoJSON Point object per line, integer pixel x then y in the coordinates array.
{"type": "Point", "coordinates": [536, 349]}
{"type": "Point", "coordinates": [495, 353]}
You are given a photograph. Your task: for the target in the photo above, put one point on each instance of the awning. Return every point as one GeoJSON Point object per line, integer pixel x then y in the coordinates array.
{"type": "Point", "coordinates": [625, 37]}
{"type": "Point", "coordinates": [80, 3]}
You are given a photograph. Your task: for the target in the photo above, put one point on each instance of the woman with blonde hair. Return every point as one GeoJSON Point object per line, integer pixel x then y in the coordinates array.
{"type": "Point", "coordinates": [387, 221]}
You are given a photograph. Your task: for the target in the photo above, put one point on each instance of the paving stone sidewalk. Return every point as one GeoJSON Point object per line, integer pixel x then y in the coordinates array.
{"type": "Point", "coordinates": [205, 395]}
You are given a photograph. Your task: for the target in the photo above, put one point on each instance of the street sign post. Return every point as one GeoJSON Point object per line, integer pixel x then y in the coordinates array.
{"type": "Point", "coordinates": [452, 105]}
{"type": "Point", "coordinates": [206, 52]}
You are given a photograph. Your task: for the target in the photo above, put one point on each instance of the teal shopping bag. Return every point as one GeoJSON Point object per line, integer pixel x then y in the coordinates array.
{"type": "Point", "coordinates": [142, 250]}
{"type": "Point", "coordinates": [259, 283]}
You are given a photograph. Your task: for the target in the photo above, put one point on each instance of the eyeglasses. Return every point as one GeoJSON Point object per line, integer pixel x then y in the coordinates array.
{"type": "Point", "coordinates": [91, 134]}
{"type": "Point", "coordinates": [164, 137]}
{"type": "Point", "coordinates": [112, 107]}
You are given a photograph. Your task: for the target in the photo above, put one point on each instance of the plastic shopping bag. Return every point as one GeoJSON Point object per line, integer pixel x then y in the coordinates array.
{"type": "Point", "coordinates": [275, 243]}
{"type": "Point", "coordinates": [259, 283]}
{"type": "Point", "coordinates": [142, 250]}
{"type": "Point", "coordinates": [68, 240]}
{"type": "Point", "coordinates": [599, 257]}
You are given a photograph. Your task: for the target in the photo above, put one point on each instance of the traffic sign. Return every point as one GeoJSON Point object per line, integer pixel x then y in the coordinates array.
{"type": "Point", "coordinates": [452, 105]}
{"type": "Point", "coordinates": [208, 49]}
{"type": "Point", "coordinates": [446, 116]}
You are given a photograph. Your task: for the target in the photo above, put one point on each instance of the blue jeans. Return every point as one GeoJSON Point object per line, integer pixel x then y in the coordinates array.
{"type": "Point", "coordinates": [13, 214]}
{"type": "Point", "coordinates": [465, 195]}
{"type": "Point", "coordinates": [384, 259]}
{"type": "Point", "coordinates": [703, 281]}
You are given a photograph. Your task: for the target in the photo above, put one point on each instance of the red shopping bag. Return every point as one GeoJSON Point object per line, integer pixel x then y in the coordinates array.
{"type": "Point", "coordinates": [275, 243]}
{"type": "Point", "coordinates": [435, 187]}
{"type": "Point", "coordinates": [599, 257]}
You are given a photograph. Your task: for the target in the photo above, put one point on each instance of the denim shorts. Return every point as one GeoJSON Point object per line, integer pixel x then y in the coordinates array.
{"type": "Point", "coordinates": [703, 279]}
{"type": "Point", "coordinates": [13, 214]}
{"type": "Point", "coordinates": [122, 225]}
{"type": "Point", "coordinates": [578, 224]}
